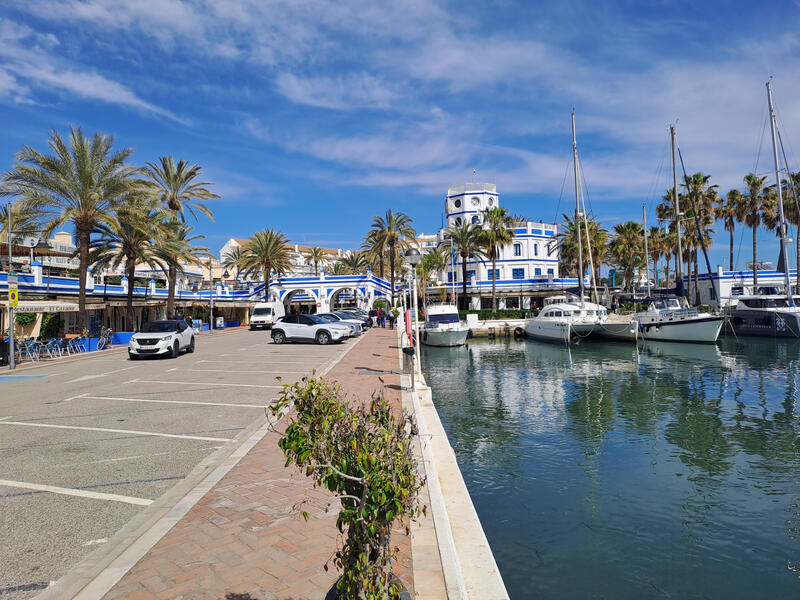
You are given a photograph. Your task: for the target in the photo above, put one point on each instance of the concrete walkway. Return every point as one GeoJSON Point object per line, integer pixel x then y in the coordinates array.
{"type": "Point", "coordinates": [246, 535]}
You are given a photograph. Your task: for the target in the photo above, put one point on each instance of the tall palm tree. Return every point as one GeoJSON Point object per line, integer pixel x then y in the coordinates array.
{"type": "Point", "coordinates": [232, 259]}
{"type": "Point", "coordinates": [497, 232]}
{"type": "Point", "coordinates": [433, 263]}
{"type": "Point", "coordinates": [791, 210]}
{"type": "Point", "coordinates": [627, 249]}
{"type": "Point", "coordinates": [175, 248]}
{"type": "Point", "coordinates": [467, 242]}
{"type": "Point", "coordinates": [354, 263]}
{"type": "Point", "coordinates": [393, 231]}
{"type": "Point", "coordinates": [594, 245]}
{"type": "Point", "coordinates": [729, 212]}
{"type": "Point", "coordinates": [128, 236]}
{"type": "Point", "coordinates": [24, 219]}
{"type": "Point", "coordinates": [266, 251]}
{"type": "Point", "coordinates": [175, 186]}
{"type": "Point", "coordinates": [656, 242]}
{"type": "Point", "coordinates": [753, 203]}
{"type": "Point", "coordinates": [703, 198]}
{"type": "Point", "coordinates": [316, 255]}
{"type": "Point", "coordinates": [79, 183]}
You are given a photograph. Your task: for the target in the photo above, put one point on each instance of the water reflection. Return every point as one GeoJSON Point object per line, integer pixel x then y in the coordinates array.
{"type": "Point", "coordinates": [667, 470]}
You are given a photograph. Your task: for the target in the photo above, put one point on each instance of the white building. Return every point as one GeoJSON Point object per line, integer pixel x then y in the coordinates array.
{"type": "Point", "coordinates": [299, 256]}
{"type": "Point", "coordinates": [527, 264]}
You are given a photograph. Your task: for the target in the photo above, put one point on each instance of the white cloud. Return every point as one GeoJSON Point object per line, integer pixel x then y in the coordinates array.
{"type": "Point", "coordinates": [341, 93]}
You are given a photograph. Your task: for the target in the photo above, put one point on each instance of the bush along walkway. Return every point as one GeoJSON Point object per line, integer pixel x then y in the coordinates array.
{"type": "Point", "coordinates": [248, 537]}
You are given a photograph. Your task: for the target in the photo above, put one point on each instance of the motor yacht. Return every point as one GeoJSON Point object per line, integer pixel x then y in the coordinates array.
{"type": "Point", "coordinates": [664, 319]}
{"type": "Point", "coordinates": [443, 327]}
{"type": "Point", "coordinates": [770, 315]}
{"type": "Point", "coordinates": [564, 320]}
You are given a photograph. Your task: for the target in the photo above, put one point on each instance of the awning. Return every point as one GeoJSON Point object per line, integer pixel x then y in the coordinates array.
{"type": "Point", "coordinates": [44, 306]}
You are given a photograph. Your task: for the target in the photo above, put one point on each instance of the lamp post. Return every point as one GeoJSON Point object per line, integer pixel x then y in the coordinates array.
{"type": "Point", "coordinates": [44, 247]}
{"type": "Point", "coordinates": [11, 357]}
{"type": "Point", "coordinates": [413, 257]}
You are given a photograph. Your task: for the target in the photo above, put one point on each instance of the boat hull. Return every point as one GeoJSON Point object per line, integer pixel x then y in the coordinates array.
{"type": "Point", "coordinates": [444, 337]}
{"type": "Point", "coordinates": [553, 331]}
{"type": "Point", "coordinates": [702, 331]}
{"type": "Point", "coordinates": [764, 324]}
{"type": "Point", "coordinates": [626, 331]}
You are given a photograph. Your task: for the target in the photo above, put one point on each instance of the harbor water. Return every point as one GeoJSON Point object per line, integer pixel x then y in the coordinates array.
{"type": "Point", "coordinates": [604, 470]}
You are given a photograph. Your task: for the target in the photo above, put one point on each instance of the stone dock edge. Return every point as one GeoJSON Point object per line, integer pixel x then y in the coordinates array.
{"type": "Point", "coordinates": [468, 565]}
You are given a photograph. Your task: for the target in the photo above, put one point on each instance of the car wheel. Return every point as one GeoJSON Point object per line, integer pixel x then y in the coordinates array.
{"type": "Point", "coordinates": [190, 347]}
{"type": "Point", "coordinates": [176, 349]}
{"type": "Point", "coordinates": [323, 338]}
{"type": "Point", "coordinates": [132, 356]}
{"type": "Point", "coordinates": [278, 337]}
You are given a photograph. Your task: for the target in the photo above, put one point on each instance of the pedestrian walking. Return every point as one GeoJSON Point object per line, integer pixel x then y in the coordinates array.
{"type": "Point", "coordinates": [391, 319]}
{"type": "Point", "coordinates": [383, 318]}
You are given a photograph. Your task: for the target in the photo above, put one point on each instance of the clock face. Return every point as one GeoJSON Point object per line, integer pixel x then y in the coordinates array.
{"type": "Point", "coordinates": [475, 201]}
{"type": "Point", "coordinates": [457, 203]}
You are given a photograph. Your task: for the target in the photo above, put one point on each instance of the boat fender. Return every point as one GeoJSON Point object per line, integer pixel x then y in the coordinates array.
{"type": "Point", "coordinates": [518, 332]}
{"type": "Point", "coordinates": [470, 335]}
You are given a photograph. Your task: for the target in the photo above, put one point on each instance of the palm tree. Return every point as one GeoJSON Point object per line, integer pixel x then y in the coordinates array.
{"type": "Point", "coordinates": [233, 259]}
{"type": "Point", "coordinates": [266, 251]}
{"type": "Point", "coordinates": [374, 246]}
{"type": "Point", "coordinates": [656, 244]}
{"type": "Point", "coordinates": [24, 219]}
{"type": "Point", "coordinates": [792, 212]}
{"type": "Point", "coordinates": [752, 210]}
{"type": "Point", "coordinates": [127, 236]}
{"type": "Point", "coordinates": [467, 242]}
{"type": "Point", "coordinates": [354, 263]}
{"type": "Point", "coordinates": [729, 212]}
{"type": "Point", "coordinates": [627, 249]}
{"type": "Point", "coordinates": [338, 268]}
{"type": "Point", "coordinates": [704, 198]}
{"type": "Point", "coordinates": [594, 245]}
{"type": "Point", "coordinates": [495, 234]}
{"type": "Point", "coordinates": [392, 232]}
{"type": "Point", "coordinates": [315, 256]}
{"type": "Point", "coordinates": [79, 183]}
{"type": "Point", "coordinates": [175, 248]}
{"type": "Point", "coordinates": [175, 186]}
{"type": "Point", "coordinates": [433, 263]}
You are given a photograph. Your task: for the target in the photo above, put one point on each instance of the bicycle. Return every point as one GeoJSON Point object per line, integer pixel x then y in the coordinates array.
{"type": "Point", "coordinates": [105, 338]}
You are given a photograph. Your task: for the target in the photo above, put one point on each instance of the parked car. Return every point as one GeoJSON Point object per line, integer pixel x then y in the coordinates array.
{"type": "Point", "coordinates": [264, 314]}
{"type": "Point", "coordinates": [308, 328]}
{"type": "Point", "coordinates": [346, 314]}
{"type": "Point", "coordinates": [159, 338]}
{"type": "Point", "coordinates": [356, 326]}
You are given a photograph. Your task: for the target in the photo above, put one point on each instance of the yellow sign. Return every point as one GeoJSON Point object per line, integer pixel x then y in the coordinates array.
{"type": "Point", "coordinates": [13, 296]}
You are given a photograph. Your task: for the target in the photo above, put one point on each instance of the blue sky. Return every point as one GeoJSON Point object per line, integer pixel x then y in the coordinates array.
{"type": "Point", "coordinates": [312, 117]}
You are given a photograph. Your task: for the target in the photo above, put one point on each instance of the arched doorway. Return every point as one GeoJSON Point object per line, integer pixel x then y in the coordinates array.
{"type": "Point", "coordinates": [348, 297]}
{"type": "Point", "coordinates": [300, 301]}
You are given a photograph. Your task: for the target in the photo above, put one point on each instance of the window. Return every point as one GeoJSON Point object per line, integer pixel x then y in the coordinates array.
{"type": "Point", "coordinates": [475, 201]}
{"type": "Point", "coordinates": [537, 271]}
{"type": "Point", "coordinates": [493, 274]}
{"type": "Point", "coordinates": [550, 271]}
{"type": "Point", "coordinates": [458, 221]}
{"type": "Point", "coordinates": [517, 273]}
{"type": "Point", "coordinates": [449, 277]}
{"type": "Point", "coordinates": [457, 203]}
{"type": "Point", "coordinates": [517, 249]}
{"type": "Point", "coordinates": [491, 201]}
{"type": "Point", "coordinates": [476, 219]}
{"type": "Point", "coordinates": [471, 274]}
{"type": "Point", "coordinates": [536, 249]}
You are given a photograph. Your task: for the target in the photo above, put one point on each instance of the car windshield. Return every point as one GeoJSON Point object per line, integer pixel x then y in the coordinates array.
{"type": "Point", "coordinates": [160, 327]}
{"type": "Point", "coordinates": [262, 311]}
{"type": "Point", "coordinates": [328, 318]}
{"type": "Point", "coordinates": [345, 315]}
{"type": "Point", "coordinates": [317, 319]}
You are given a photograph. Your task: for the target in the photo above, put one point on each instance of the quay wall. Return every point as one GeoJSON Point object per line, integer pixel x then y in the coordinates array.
{"type": "Point", "coordinates": [468, 566]}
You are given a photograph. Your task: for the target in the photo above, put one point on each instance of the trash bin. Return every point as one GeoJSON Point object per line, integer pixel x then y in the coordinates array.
{"type": "Point", "coordinates": [220, 323]}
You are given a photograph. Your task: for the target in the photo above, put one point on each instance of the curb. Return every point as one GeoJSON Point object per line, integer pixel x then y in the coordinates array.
{"type": "Point", "coordinates": [99, 571]}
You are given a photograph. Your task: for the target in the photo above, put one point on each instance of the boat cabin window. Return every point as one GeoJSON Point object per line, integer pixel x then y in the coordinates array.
{"type": "Point", "coordinates": [764, 302]}
{"type": "Point", "coordinates": [553, 313]}
{"type": "Point", "coordinates": [737, 290]}
{"type": "Point", "coordinates": [446, 318]}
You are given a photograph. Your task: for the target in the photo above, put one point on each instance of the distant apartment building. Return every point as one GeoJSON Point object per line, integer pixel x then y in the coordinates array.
{"type": "Point", "coordinates": [299, 256]}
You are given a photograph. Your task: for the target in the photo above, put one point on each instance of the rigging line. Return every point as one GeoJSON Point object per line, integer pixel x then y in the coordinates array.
{"type": "Point", "coordinates": [791, 150]}
{"type": "Point", "coordinates": [760, 143]}
{"type": "Point", "coordinates": [651, 194]}
{"type": "Point", "coordinates": [790, 181]}
{"type": "Point", "coordinates": [563, 184]}
{"type": "Point", "coordinates": [697, 225]}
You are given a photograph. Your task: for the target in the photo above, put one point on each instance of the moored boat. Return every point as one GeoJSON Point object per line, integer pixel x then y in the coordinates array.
{"type": "Point", "coordinates": [443, 327]}
{"type": "Point", "coordinates": [564, 321]}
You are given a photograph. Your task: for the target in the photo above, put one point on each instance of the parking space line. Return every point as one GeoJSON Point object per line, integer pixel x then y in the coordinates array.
{"type": "Point", "coordinates": [202, 383]}
{"type": "Point", "coordinates": [260, 362]}
{"type": "Point", "coordinates": [168, 401]}
{"type": "Point", "coordinates": [128, 431]}
{"type": "Point", "coordinates": [87, 377]}
{"type": "Point", "coordinates": [73, 492]}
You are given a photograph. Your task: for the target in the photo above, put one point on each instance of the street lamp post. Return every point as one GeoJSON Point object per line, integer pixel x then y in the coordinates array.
{"type": "Point", "coordinates": [413, 257]}
{"type": "Point", "coordinates": [11, 358]}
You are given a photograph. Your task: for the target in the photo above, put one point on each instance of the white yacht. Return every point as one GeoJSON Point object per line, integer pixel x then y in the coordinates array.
{"type": "Point", "coordinates": [770, 315]}
{"type": "Point", "coordinates": [443, 327]}
{"type": "Point", "coordinates": [564, 319]}
{"type": "Point", "coordinates": [667, 319]}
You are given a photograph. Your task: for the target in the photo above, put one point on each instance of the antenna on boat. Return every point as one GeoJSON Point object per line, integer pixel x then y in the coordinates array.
{"type": "Point", "coordinates": [784, 241]}
{"type": "Point", "coordinates": [677, 209]}
{"type": "Point", "coordinates": [577, 207]}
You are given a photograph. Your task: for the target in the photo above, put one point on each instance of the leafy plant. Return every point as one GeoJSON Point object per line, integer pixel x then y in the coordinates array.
{"type": "Point", "coordinates": [25, 318]}
{"type": "Point", "coordinates": [51, 325]}
{"type": "Point", "coordinates": [363, 454]}
{"type": "Point", "coordinates": [486, 314]}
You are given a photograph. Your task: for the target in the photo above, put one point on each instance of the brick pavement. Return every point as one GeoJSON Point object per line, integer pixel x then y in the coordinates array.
{"type": "Point", "coordinates": [246, 536]}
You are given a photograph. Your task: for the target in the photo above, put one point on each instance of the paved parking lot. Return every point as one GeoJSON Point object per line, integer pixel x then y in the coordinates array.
{"type": "Point", "coordinates": [86, 445]}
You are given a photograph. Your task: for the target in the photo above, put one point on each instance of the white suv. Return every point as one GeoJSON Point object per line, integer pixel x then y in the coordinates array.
{"type": "Point", "coordinates": [308, 328]}
{"type": "Point", "coordinates": [161, 337]}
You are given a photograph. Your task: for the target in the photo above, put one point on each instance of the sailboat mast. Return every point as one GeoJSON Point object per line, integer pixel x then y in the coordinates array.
{"type": "Point", "coordinates": [784, 241]}
{"type": "Point", "coordinates": [646, 255]}
{"type": "Point", "coordinates": [576, 220]}
{"type": "Point", "coordinates": [677, 209]}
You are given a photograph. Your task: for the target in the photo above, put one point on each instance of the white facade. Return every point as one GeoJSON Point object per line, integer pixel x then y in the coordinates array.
{"type": "Point", "coordinates": [532, 254]}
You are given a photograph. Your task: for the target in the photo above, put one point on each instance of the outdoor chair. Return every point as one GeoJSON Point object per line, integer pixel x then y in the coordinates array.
{"type": "Point", "coordinates": [28, 349]}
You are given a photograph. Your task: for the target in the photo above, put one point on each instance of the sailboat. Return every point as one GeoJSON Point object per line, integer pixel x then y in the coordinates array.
{"type": "Point", "coordinates": [774, 315]}
{"type": "Point", "coordinates": [562, 319]}
{"type": "Point", "coordinates": [443, 325]}
{"type": "Point", "coordinates": [665, 318]}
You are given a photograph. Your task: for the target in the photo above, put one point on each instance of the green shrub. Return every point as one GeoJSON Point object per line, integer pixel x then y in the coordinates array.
{"type": "Point", "coordinates": [51, 325]}
{"type": "Point", "coordinates": [486, 314]}
{"type": "Point", "coordinates": [363, 454]}
{"type": "Point", "coordinates": [25, 318]}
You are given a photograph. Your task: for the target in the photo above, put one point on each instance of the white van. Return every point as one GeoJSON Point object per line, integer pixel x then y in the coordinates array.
{"type": "Point", "coordinates": [264, 314]}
